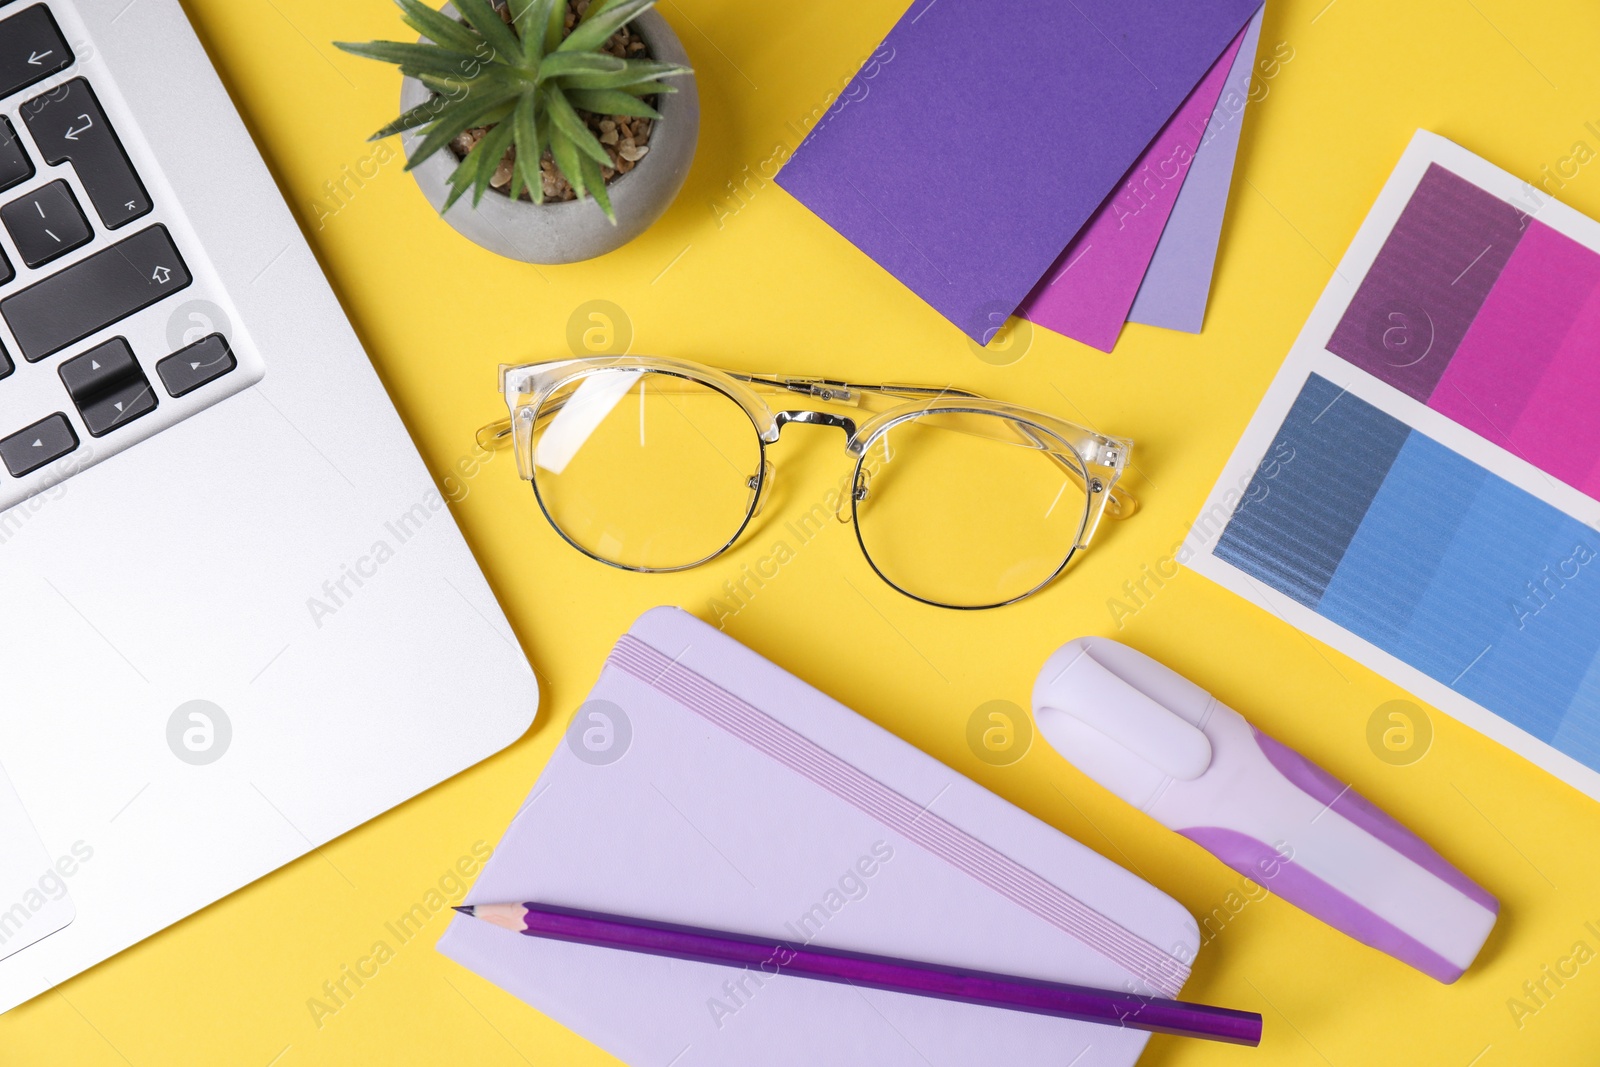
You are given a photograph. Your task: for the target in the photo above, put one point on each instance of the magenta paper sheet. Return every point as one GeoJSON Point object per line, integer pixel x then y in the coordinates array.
{"type": "Point", "coordinates": [1091, 288]}
{"type": "Point", "coordinates": [1491, 318]}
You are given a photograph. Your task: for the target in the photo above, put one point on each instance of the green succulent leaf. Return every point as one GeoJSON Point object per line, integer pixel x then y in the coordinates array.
{"type": "Point", "coordinates": [596, 9]}
{"type": "Point", "coordinates": [596, 183]}
{"type": "Point", "coordinates": [610, 102]}
{"type": "Point", "coordinates": [531, 19]}
{"type": "Point", "coordinates": [418, 58]}
{"type": "Point", "coordinates": [438, 27]}
{"type": "Point", "coordinates": [565, 119]}
{"type": "Point", "coordinates": [632, 72]}
{"type": "Point", "coordinates": [482, 16]}
{"type": "Point", "coordinates": [464, 176]}
{"type": "Point", "coordinates": [555, 26]}
{"type": "Point", "coordinates": [568, 159]}
{"type": "Point", "coordinates": [453, 124]}
{"type": "Point", "coordinates": [420, 115]}
{"type": "Point", "coordinates": [542, 126]}
{"type": "Point", "coordinates": [648, 88]}
{"type": "Point", "coordinates": [530, 149]}
{"type": "Point", "coordinates": [494, 144]}
{"type": "Point", "coordinates": [566, 64]}
{"type": "Point", "coordinates": [596, 30]}
{"type": "Point", "coordinates": [497, 78]}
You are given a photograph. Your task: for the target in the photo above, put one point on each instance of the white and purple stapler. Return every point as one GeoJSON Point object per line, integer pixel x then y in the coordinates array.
{"type": "Point", "coordinates": [1179, 755]}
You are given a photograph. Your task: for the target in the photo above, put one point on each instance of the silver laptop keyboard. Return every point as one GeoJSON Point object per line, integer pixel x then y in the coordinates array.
{"type": "Point", "coordinates": [95, 351]}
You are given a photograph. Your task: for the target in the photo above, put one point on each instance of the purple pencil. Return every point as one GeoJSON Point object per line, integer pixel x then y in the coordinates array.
{"type": "Point", "coordinates": [775, 957]}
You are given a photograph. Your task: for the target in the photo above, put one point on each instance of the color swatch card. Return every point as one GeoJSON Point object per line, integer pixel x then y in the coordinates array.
{"type": "Point", "coordinates": [1418, 488]}
{"type": "Point", "coordinates": [701, 785]}
{"type": "Point", "coordinates": [966, 163]}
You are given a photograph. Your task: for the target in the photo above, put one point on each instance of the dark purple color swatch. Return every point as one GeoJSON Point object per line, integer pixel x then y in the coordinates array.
{"type": "Point", "coordinates": [984, 134]}
{"type": "Point", "coordinates": [1428, 283]}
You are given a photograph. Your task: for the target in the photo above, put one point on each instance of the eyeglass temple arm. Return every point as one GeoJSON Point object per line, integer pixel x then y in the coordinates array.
{"type": "Point", "coordinates": [1120, 503]}
{"type": "Point", "coordinates": [843, 392]}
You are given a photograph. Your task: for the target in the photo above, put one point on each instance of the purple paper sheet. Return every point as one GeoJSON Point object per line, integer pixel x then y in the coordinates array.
{"type": "Point", "coordinates": [1177, 286]}
{"type": "Point", "coordinates": [967, 164]}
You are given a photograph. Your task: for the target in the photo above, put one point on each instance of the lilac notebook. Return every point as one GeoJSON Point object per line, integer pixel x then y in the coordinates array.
{"type": "Point", "coordinates": [967, 162]}
{"type": "Point", "coordinates": [701, 785]}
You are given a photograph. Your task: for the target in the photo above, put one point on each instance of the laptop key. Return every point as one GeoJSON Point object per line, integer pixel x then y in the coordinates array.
{"type": "Point", "coordinates": [15, 166]}
{"type": "Point", "coordinates": [91, 294]}
{"type": "Point", "coordinates": [5, 363]}
{"type": "Point", "coordinates": [44, 442]}
{"type": "Point", "coordinates": [99, 370]}
{"type": "Point", "coordinates": [127, 401]}
{"type": "Point", "coordinates": [108, 386]}
{"type": "Point", "coordinates": [189, 368]}
{"type": "Point", "coordinates": [68, 126]}
{"type": "Point", "coordinates": [46, 223]}
{"type": "Point", "coordinates": [6, 273]}
{"type": "Point", "coordinates": [31, 49]}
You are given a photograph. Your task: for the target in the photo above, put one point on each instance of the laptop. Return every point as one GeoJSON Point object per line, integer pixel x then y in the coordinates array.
{"type": "Point", "coordinates": [240, 619]}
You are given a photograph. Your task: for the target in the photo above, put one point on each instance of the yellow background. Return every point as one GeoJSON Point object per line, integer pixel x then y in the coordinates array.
{"type": "Point", "coordinates": [769, 287]}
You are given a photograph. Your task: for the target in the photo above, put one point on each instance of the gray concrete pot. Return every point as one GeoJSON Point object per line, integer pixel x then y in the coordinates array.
{"type": "Point", "coordinates": [573, 230]}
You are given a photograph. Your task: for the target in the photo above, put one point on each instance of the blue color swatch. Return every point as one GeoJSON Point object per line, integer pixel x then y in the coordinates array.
{"type": "Point", "coordinates": [1447, 567]}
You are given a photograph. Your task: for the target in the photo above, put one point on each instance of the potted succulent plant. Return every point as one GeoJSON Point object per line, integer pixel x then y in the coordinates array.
{"type": "Point", "coordinates": [535, 106]}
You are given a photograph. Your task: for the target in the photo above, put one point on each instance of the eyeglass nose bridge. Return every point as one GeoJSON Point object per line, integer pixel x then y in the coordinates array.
{"type": "Point", "coordinates": [815, 418]}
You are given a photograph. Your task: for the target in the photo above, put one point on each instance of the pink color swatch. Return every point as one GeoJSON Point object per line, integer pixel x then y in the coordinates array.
{"type": "Point", "coordinates": [1527, 374]}
{"type": "Point", "coordinates": [1089, 291]}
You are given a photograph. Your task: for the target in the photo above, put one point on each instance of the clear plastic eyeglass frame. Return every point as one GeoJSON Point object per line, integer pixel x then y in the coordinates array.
{"type": "Point", "coordinates": [1092, 459]}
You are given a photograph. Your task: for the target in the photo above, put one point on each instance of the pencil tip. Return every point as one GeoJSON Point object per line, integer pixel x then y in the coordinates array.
{"type": "Point", "coordinates": [465, 909]}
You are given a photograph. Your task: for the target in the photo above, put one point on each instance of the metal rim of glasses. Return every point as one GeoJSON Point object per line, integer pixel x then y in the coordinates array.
{"type": "Point", "coordinates": [1072, 549]}
{"type": "Point", "coordinates": [757, 489]}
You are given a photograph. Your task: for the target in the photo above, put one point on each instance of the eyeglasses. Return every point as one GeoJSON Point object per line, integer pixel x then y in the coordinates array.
{"type": "Point", "coordinates": [654, 465]}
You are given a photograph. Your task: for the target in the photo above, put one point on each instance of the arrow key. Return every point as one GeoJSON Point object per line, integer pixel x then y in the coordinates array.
{"type": "Point", "coordinates": [46, 223]}
{"type": "Point", "coordinates": [189, 368]}
{"type": "Point", "coordinates": [45, 441]}
{"type": "Point", "coordinates": [31, 49]}
{"type": "Point", "coordinates": [121, 405]}
{"type": "Point", "coordinates": [108, 386]}
{"type": "Point", "coordinates": [99, 370]}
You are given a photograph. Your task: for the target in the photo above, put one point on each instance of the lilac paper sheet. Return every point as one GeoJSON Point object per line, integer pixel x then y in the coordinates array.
{"type": "Point", "coordinates": [968, 163]}
{"type": "Point", "coordinates": [1177, 286]}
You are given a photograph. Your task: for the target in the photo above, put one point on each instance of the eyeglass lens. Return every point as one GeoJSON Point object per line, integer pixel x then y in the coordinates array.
{"type": "Point", "coordinates": [969, 509]}
{"type": "Point", "coordinates": [645, 470]}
